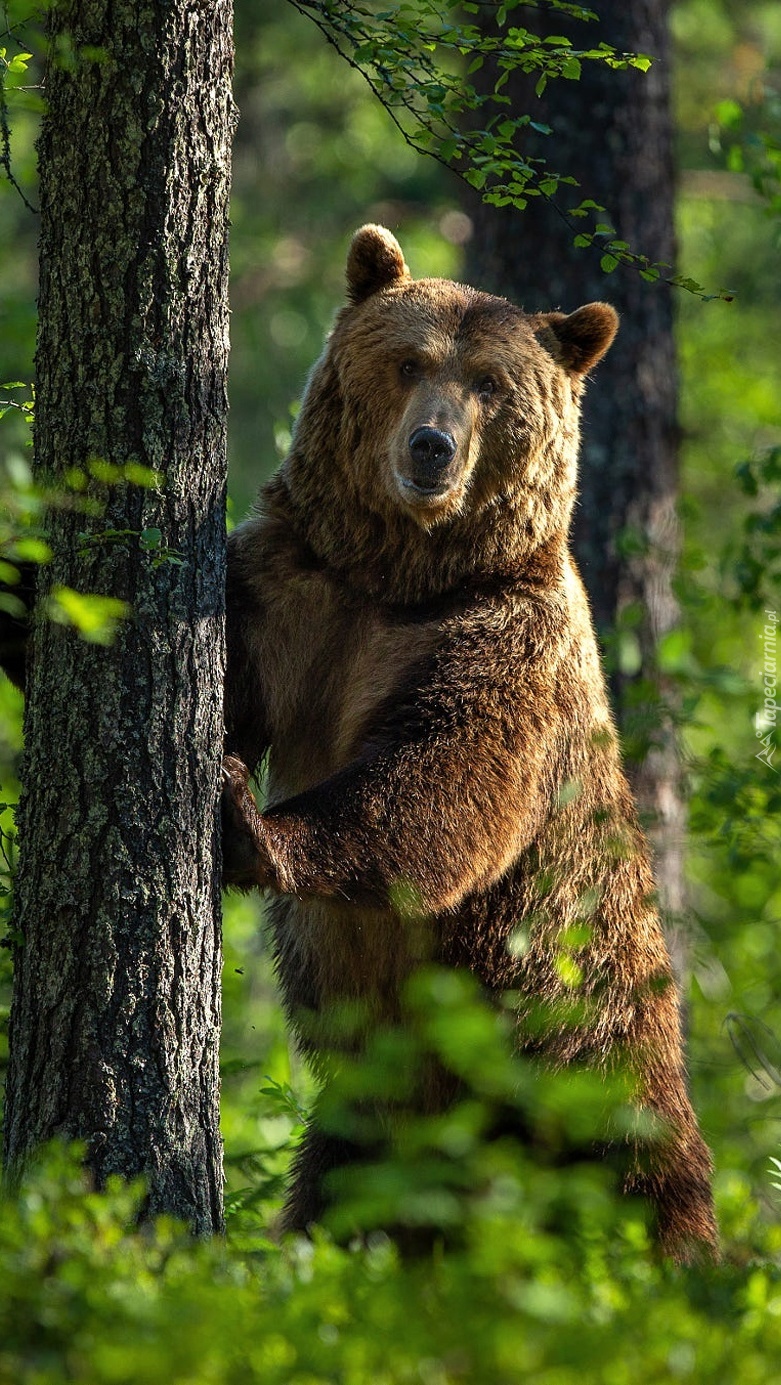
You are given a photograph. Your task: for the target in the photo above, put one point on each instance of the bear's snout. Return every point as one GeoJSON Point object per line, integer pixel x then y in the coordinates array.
{"type": "Point", "coordinates": [431, 451]}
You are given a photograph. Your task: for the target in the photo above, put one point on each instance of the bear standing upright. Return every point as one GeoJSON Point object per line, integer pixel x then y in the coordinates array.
{"type": "Point", "coordinates": [409, 640]}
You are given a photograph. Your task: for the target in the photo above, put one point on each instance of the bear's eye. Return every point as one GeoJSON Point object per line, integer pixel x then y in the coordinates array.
{"type": "Point", "coordinates": [486, 387]}
{"type": "Point", "coordinates": [409, 369]}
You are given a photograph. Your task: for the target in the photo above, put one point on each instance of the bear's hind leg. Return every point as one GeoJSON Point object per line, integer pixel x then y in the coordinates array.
{"type": "Point", "coordinates": [319, 1155]}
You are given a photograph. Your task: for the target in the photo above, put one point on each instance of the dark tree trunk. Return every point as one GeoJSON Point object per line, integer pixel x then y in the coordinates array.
{"type": "Point", "coordinates": [115, 1021]}
{"type": "Point", "coordinates": [613, 131]}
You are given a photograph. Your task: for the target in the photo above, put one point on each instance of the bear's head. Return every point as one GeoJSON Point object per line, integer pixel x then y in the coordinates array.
{"type": "Point", "coordinates": [441, 411]}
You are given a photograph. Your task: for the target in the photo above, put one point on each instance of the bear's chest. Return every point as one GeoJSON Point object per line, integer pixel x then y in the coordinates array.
{"type": "Point", "coordinates": [330, 663]}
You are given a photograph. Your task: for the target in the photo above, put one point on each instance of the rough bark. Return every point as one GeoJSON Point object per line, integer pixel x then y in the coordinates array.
{"type": "Point", "coordinates": [613, 131]}
{"type": "Point", "coordinates": [116, 1010]}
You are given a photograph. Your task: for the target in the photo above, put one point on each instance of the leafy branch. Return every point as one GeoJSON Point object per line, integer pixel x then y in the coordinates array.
{"type": "Point", "coordinates": [749, 139]}
{"type": "Point", "coordinates": [13, 70]}
{"type": "Point", "coordinates": [419, 61]}
{"type": "Point", "coordinates": [83, 491]}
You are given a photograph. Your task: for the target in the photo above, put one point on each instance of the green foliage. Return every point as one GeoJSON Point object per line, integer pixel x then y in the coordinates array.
{"type": "Point", "coordinates": [16, 93]}
{"type": "Point", "coordinates": [94, 617]}
{"type": "Point", "coordinates": [749, 137]}
{"type": "Point", "coordinates": [84, 491]}
{"type": "Point", "coordinates": [552, 1281]}
{"type": "Point", "coordinates": [412, 56]}
{"type": "Point", "coordinates": [418, 60]}
{"type": "Point", "coordinates": [730, 593]}
{"type": "Point", "coordinates": [755, 560]}
{"type": "Point", "coordinates": [454, 1171]}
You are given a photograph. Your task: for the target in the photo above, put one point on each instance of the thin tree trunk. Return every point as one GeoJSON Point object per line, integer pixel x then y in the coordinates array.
{"type": "Point", "coordinates": [116, 1010]}
{"type": "Point", "coordinates": [613, 131]}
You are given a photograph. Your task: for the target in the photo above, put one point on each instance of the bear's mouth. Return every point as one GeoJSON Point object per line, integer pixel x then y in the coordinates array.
{"type": "Point", "coordinates": [423, 491]}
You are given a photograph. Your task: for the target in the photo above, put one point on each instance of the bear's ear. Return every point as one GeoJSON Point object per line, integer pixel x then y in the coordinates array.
{"type": "Point", "coordinates": [375, 260]}
{"type": "Point", "coordinates": [580, 339]}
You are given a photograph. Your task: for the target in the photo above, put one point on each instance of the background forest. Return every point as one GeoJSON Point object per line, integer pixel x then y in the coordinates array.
{"type": "Point", "coordinates": [550, 1299]}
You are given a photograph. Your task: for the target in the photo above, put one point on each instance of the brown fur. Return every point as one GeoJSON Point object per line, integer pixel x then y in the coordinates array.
{"type": "Point", "coordinates": [419, 661]}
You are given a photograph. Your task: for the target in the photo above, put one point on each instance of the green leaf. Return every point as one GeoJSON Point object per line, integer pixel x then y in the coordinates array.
{"type": "Point", "coordinates": [95, 617]}
{"type": "Point", "coordinates": [571, 70]}
{"type": "Point", "coordinates": [106, 472]}
{"type": "Point", "coordinates": [19, 63]}
{"type": "Point", "coordinates": [9, 573]}
{"type": "Point", "coordinates": [690, 285]}
{"type": "Point", "coordinates": [139, 475]}
{"type": "Point", "coordinates": [608, 263]}
{"type": "Point", "coordinates": [729, 114]}
{"type": "Point", "coordinates": [11, 604]}
{"type": "Point", "coordinates": [568, 969]}
{"type": "Point", "coordinates": [32, 550]}
{"type": "Point", "coordinates": [673, 651]}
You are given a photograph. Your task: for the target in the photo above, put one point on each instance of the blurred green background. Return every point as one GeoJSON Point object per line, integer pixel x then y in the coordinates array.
{"type": "Point", "coordinates": [316, 156]}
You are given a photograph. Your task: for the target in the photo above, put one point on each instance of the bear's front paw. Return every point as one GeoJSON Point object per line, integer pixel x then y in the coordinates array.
{"type": "Point", "coordinates": [245, 856]}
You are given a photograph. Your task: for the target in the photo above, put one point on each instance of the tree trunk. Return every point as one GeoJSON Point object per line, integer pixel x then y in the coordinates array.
{"type": "Point", "coordinates": [613, 131]}
{"type": "Point", "coordinates": [116, 1010]}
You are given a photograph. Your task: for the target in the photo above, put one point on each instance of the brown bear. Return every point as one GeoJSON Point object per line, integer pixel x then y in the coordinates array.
{"type": "Point", "coordinates": [409, 640]}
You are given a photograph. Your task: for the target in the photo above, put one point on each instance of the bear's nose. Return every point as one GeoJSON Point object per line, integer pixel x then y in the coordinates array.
{"type": "Point", "coordinates": [431, 449]}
